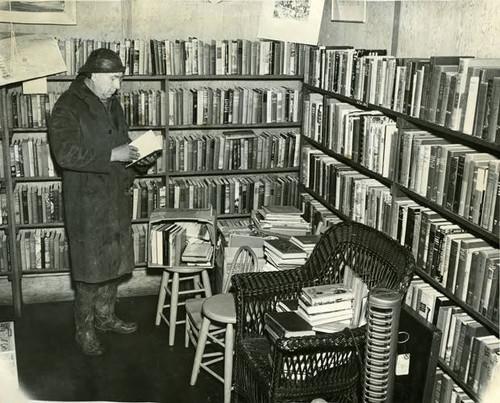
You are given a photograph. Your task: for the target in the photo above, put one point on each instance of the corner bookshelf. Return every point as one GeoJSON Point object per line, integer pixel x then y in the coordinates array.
{"type": "Point", "coordinates": [323, 157]}
{"type": "Point", "coordinates": [162, 185]}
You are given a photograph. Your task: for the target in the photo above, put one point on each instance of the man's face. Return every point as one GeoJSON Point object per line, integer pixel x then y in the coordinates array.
{"type": "Point", "coordinates": [106, 84]}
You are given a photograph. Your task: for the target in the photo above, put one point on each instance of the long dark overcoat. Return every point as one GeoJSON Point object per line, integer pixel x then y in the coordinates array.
{"type": "Point", "coordinates": [97, 202]}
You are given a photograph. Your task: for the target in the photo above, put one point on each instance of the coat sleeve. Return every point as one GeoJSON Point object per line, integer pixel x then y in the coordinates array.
{"type": "Point", "coordinates": [68, 147]}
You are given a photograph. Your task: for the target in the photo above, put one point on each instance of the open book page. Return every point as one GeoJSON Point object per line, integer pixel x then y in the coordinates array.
{"type": "Point", "coordinates": [147, 144]}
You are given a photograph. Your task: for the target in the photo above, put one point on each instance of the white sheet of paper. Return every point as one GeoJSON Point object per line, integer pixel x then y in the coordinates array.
{"type": "Point", "coordinates": [147, 143]}
{"type": "Point", "coordinates": [36, 86]}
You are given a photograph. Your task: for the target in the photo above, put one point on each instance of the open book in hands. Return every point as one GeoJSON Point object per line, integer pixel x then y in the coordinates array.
{"type": "Point", "coordinates": [147, 144]}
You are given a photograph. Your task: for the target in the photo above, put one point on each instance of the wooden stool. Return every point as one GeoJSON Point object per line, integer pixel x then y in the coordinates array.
{"type": "Point", "coordinates": [220, 309]}
{"type": "Point", "coordinates": [201, 287]}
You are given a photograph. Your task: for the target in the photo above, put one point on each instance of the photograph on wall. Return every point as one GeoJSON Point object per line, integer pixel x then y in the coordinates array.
{"type": "Point", "coordinates": [349, 10]}
{"type": "Point", "coordinates": [291, 20]}
{"type": "Point", "coordinates": [38, 12]}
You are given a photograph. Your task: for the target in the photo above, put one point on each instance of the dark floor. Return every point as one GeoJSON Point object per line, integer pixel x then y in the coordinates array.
{"type": "Point", "coordinates": [140, 367]}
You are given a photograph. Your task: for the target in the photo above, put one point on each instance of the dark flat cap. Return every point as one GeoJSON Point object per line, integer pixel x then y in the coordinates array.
{"type": "Point", "coordinates": [103, 61]}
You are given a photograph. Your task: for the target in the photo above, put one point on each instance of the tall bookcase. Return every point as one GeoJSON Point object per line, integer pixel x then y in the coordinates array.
{"type": "Point", "coordinates": [239, 177]}
{"type": "Point", "coordinates": [365, 184]}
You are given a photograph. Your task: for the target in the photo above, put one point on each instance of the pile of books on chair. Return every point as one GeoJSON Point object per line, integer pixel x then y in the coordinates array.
{"type": "Point", "coordinates": [284, 220]}
{"type": "Point", "coordinates": [282, 254]}
{"type": "Point", "coordinates": [328, 304]}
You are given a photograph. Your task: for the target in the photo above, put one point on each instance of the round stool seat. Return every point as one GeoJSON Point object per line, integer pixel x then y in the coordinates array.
{"type": "Point", "coordinates": [220, 308]}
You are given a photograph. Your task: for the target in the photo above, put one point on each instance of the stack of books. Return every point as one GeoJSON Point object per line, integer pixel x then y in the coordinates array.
{"type": "Point", "coordinates": [286, 324]}
{"type": "Point", "coordinates": [305, 242]}
{"type": "Point", "coordinates": [324, 304]}
{"type": "Point", "coordinates": [198, 253]}
{"type": "Point", "coordinates": [282, 254]}
{"type": "Point", "coordinates": [285, 220]}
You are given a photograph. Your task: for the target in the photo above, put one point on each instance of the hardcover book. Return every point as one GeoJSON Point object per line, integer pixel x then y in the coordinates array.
{"type": "Point", "coordinates": [287, 324]}
{"type": "Point", "coordinates": [327, 293]}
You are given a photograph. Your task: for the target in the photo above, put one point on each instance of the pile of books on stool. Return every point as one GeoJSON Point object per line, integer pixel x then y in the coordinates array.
{"type": "Point", "coordinates": [327, 307]}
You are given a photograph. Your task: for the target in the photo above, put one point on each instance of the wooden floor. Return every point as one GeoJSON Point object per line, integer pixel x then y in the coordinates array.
{"type": "Point", "coordinates": [140, 367]}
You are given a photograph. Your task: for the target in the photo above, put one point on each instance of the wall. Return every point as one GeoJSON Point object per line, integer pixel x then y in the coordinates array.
{"type": "Point", "coordinates": [407, 28]}
{"type": "Point", "coordinates": [467, 27]}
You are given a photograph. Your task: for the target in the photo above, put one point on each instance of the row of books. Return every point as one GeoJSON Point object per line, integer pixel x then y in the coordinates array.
{"type": "Point", "coordinates": [357, 196]}
{"type": "Point", "coordinates": [43, 249]}
{"type": "Point", "coordinates": [460, 93]}
{"type": "Point", "coordinates": [192, 56]}
{"type": "Point", "coordinates": [233, 150]}
{"type": "Point", "coordinates": [447, 390]}
{"type": "Point", "coordinates": [463, 338]}
{"type": "Point", "coordinates": [467, 348]}
{"type": "Point", "coordinates": [38, 203]}
{"type": "Point", "coordinates": [140, 243]}
{"type": "Point", "coordinates": [233, 105]}
{"type": "Point", "coordinates": [314, 212]}
{"type": "Point", "coordinates": [147, 195]}
{"type": "Point", "coordinates": [4, 207]}
{"type": "Point", "coordinates": [463, 264]}
{"type": "Point", "coordinates": [232, 195]}
{"type": "Point", "coordinates": [141, 108]}
{"type": "Point", "coordinates": [183, 242]}
{"type": "Point", "coordinates": [366, 137]}
{"type": "Point", "coordinates": [30, 156]}
{"type": "Point", "coordinates": [4, 253]}
{"type": "Point", "coordinates": [454, 176]}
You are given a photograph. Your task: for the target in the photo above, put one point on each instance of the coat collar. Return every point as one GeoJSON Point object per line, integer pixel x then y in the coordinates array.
{"type": "Point", "coordinates": [81, 90]}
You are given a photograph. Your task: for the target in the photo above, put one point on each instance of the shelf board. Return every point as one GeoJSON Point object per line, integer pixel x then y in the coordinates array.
{"type": "Point", "coordinates": [37, 179]}
{"type": "Point", "coordinates": [235, 172]}
{"type": "Point", "coordinates": [470, 226]}
{"type": "Point", "coordinates": [29, 129]}
{"type": "Point", "coordinates": [41, 225]}
{"type": "Point", "coordinates": [487, 323]}
{"type": "Point", "coordinates": [193, 77]}
{"type": "Point", "coordinates": [475, 142]}
{"type": "Point", "coordinates": [235, 126]}
{"type": "Point", "coordinates": [457, 380]}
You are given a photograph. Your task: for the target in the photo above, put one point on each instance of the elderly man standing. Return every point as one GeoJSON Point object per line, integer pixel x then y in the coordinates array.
{"type": "Point", "coordinates": [88, 136]}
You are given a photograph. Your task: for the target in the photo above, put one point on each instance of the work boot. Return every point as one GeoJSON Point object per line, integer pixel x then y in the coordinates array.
{"type": "Point", "coordinates": [86, 336]}
{"type": "Point", "coordinates": [106, 319]}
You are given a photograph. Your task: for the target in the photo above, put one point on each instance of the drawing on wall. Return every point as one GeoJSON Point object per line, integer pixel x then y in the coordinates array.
{"type": "Point", "coordinates": [349, 10]}
{"type": "Point", "coordinates": [291, 20]}
{"type": "Point", "coordinates": [38, 11]}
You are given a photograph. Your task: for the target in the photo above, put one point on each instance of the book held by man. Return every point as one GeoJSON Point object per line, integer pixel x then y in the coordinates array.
{"type": "Point", "coordinates": [147, 143]}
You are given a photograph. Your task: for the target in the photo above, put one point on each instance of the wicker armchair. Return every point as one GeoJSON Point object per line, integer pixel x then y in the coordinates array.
{"type": "Point", "coordinates": [330, 366]}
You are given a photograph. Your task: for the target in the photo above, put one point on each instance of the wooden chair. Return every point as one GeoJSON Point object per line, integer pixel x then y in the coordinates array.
{"type": "Point", "coordinates": [213, 319]}
{"type": "Point", "coordinates": [329, 366]}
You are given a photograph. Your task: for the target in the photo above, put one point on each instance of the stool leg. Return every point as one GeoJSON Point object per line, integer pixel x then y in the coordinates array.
{"type": "Point", "coordinates": [206, 283]}
{"type": "Point", "coordinates": [200, 348]}
{"type": "Point", "coordinates": [173, 309]}
{"type": "Point", "coordinates": [228, 362]}
{"type": "Point", "coordinates": [187, 331]}
{"type": "Point", "coordinates": [161, 297]}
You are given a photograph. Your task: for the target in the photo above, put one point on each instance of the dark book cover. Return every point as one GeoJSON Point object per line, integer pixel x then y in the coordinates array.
{"type": "Point", "coordinates": [288, 324]}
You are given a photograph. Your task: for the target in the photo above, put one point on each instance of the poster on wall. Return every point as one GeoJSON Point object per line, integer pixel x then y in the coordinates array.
{"type": "Point", "coordinates": [291, 20]}
{"type": "Point", "coordinates": [25, 57]}
{"type": "Point", "coordinates": [38, 11]}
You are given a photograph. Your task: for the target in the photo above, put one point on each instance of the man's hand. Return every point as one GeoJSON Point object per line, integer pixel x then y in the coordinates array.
{"type": "Point", "coordinates": [148, 160]}
{"type": "Point", "coordinates": [124, 153]}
